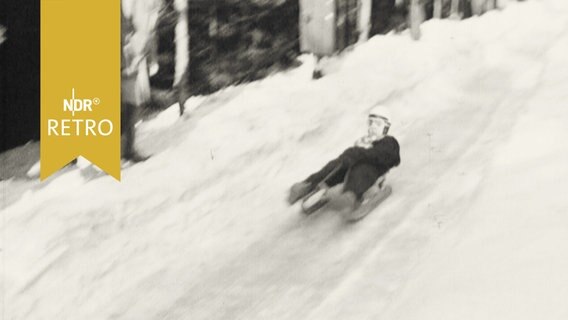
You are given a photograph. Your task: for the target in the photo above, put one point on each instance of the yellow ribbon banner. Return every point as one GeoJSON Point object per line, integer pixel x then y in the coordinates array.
{"type": "Point", "coordinates": [80, 84]}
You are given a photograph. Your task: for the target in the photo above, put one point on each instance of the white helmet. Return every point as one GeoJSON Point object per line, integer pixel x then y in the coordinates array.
{"type": "Point", "coordinates": [380, 111]}
{"type": "Point", "coordinates": [379, 120]}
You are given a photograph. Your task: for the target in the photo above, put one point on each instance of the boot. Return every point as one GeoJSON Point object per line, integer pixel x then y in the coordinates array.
{"type": "Point", "coordinates": [298, 191]}
{"type": "Point", "coordinates": [317, 74]}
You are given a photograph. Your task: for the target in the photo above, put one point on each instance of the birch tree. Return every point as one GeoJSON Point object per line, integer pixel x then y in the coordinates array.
{"type": "Point", "coordinates": [478, 7]}
{"type": "Point", "coordinates": [364, 19]}
{"type": "Point", "coordinates": [181, 39]}
{"type": "Point", "coordinates": [438, 9]}
{"type": "Point", "coordinates": [182, 51]}
{"type": "Point", "coordinates": [416, 17]}
{"type": "Point", "coordinates": [455, 10]}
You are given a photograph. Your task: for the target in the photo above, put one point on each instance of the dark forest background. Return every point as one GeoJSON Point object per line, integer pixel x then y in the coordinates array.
{"type": "Point", "coordinates": [232, 41]}
{"type": "Point", "coordinates": [19, 73]}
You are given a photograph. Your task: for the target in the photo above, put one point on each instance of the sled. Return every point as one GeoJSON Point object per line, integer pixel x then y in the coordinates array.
{"type": "Point", "coordinates": [368, 205]}
{"type": "Point", "coordinates": [315, 200]}
{"type": "Point", "coordinates": [319, 197]}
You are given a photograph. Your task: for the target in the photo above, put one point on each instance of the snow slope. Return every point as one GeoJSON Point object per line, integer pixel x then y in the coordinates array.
{"type": "Point", "coordinates": [474, 228]}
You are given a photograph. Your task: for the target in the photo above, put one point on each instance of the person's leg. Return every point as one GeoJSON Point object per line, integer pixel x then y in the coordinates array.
{"type": "Point", "coordinates": [127, 121]}
{"type": "Point", "coordinates": [360, 179]}
{"type": "Point", "coordinates": [324, 174]}
{"type": "Point", "coordinates": [331, 174]}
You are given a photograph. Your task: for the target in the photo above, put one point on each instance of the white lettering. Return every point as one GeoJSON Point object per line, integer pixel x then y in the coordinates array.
{"type": "Point", "coordinates": [110, 127]}
{"type": "Point", "coordinates": [52, 126]}
{"type": "Point", "coordinates": [89, 126]}
{"type": "Point", "coordinates": [87, 103]}
{"type": "Point", "coordinates": [68, 106]}
{"type": "Point", "coordinates": [65, 127]}
{"type": "Point", "coordinates": [77, 126]}
{"type": "Point", "coordinates": [78, 105]}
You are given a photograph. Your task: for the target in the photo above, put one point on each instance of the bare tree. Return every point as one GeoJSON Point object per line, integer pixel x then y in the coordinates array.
{"type": "Point", "coordinates": [416, 17]}
{"type": "Point", "coordinates": [182, 40]}
{"type": "Point", "coordinates": [364, 19]}
{"type": "Point", "coordinates": [478, 7]}
{"type": "Point", "coordinates": [455, 10]}
{"type": "Point", "coordinates": [438, 4]}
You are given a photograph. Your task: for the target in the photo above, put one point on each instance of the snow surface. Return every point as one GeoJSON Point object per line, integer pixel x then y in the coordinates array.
{"type": "Point", "coordinates": [476, 227]}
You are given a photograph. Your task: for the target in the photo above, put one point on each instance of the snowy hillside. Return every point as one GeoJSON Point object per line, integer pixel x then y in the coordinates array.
{"type": "Point", "coordinates": [476, 227]}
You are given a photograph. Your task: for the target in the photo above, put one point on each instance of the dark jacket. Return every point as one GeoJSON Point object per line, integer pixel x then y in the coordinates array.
{"type": "Point", "coordinates": [384, 154]}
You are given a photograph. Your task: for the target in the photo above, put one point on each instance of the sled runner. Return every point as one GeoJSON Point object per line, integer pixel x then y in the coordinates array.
{"type": "Point", "coordinates": [320, 197]}
{"type": "Point", "coordinates": [368, 205]}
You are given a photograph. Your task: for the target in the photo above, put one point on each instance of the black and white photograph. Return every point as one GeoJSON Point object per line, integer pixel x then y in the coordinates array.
{"type": "Point", "coordinates": [300, 159]}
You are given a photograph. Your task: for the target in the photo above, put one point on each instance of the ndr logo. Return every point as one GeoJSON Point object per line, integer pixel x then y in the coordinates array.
{"type": "Point", "coordinates": [79, 105]}
{"type": "Point", "coordinates": [84, 126]}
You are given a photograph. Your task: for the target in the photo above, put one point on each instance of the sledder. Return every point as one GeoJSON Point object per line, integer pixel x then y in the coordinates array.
{"type": "Point", "coordinates": [358, 168]}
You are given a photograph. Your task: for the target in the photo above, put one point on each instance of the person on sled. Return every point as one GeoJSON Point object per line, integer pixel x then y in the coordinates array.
{"type": "Point", "coordinates": [358, 168]}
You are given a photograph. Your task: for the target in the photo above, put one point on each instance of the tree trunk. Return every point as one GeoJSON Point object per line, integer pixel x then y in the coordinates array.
{"type": "Point", "coordinates": [182, 42]}
{"type": "Point", "coordinates": [477, 7]}
{"type": "Point", "coordinates": [416, 17]}
{"type": "Point", "coordinates": [455, 10]}
{"type": "Point", "coordinates": [438, 9]}
{"type": "Point", "coordinates": [364, 20]}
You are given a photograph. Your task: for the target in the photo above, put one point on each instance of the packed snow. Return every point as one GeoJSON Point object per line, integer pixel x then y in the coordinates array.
{"type": "Point", "coordinates": [476, 227]}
